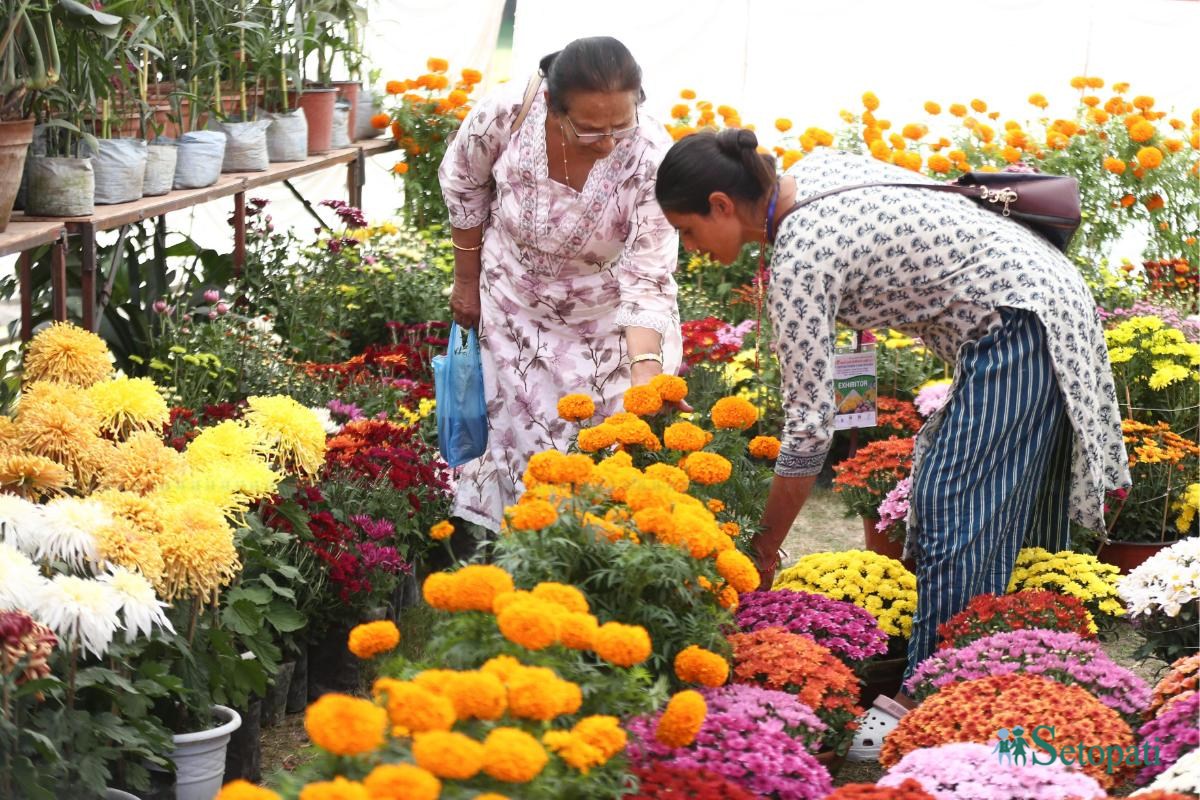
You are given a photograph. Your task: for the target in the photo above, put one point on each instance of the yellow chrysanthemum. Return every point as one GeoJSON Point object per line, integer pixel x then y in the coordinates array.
{"type": "Point", "coordinates": [642, 401]}
{"type": "Point", "coordinates": [60, 423]}
{"type": "Point", "coordinates": [199, 556]}
{"type": "Point", "coordinates": [674, 477]}
{"type": "Point", "coordinates": [684, 436]}
{"type": "Point", "coordinates": [33, 477]}
{"type": "Point", "coordinates": [623, 645]}
{"type": "Point", "coordinates": [413, 708]}
{"type": "Point", "coordinates": [694, 664]}
{"type": "Point", "coordinates": [337, 789]}
{"type": "Point", "coordinates": [682, 719]}
{"type": "Point", "coordinates": [224, 442]}
{"type": "Point", "coordinates": [372, 638]}
{"type": "Point", "coordinates": [476, 695]}
{"type": "Point", "coordinates": [562, 594]}
{"type": "Point", "coordinates": [513, 756]}
{"type": "Point", "coordinates": [1167, 373]}
{"type": "Point", "coordinates": [670, 388]}
{"type": "Point", "coordinates": [734, 412]}
{"type": "Point", "coordinates": [344, 725]}
{"type": "Point", "coordinates": [707, 468]}
{"type": "Point", "coordinates": [402, 782]}
{"type": "Point", "coordinates": [141, 464]}
{"type": "Point", "coordinates": [126, 405]}
{"type": "Point", "coordinates": [126, 545]}
{"type": "Point", "coordinates": [448, 754]}
{"type": "Point", "coordinates": [292, 432]}
{"type": "Point", "coordinates": [1187, 506]}
{"type": "Point", "coordinates": [64, 353]}
{"type": "Point", "coordinates": [576, 407]}
{"type": "Point", "coordinates": [244, 790]}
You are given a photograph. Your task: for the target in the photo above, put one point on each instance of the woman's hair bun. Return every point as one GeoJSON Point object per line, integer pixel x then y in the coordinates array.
{"type": "Point", "coordinates": [732, 141]}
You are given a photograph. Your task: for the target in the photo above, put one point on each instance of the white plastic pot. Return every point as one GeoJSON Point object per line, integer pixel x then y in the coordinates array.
{"type": "Point", "coordinates": [200, 757]}
{"type": "Point", "coordinates": [117, 794]}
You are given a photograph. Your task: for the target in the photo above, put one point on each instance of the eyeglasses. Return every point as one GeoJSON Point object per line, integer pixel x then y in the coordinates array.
{"type": "Point", "coordinates": [592, 138]}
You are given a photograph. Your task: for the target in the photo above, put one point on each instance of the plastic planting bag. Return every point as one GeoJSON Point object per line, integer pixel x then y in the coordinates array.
{"type": "Point", "coordinates": [461, 409]}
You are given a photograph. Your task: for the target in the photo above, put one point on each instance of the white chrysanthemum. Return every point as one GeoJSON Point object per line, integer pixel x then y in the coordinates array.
{"type": "Point", "coordinates": [20, 523]}
{"type": "Point", "coordinates": [81, 610]}
{"type": "Point", "coordinates": [21, 584]}
{"type": "Point", "coordinates": [326, 418]}
{"type": "Point", "coordinates": [1183, 776]}
{"type": "Point", "coordinates": [141, 607]}
{"type": "Point", "coordinates": [69, 532]}
{"type": "Point", "coordinates": [1165, 582]}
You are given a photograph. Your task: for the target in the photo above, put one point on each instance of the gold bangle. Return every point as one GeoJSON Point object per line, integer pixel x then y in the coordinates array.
{"type": "Point", "coordinates": [646, 357]}
{"type": "Point", "coordinates": [458, 246]}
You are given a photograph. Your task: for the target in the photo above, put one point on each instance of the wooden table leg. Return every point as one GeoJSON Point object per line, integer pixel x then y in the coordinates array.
{"type": "Point", "coordinates": [58, 280]}
{"type": "Point", "coordinates": [356, 177]}
{"type": "Point", "coordinates": [87, 276]}
{"type": "Point", "coordinates": [25, 276]}
{"type": "Point", "coordinates": [239, 234]}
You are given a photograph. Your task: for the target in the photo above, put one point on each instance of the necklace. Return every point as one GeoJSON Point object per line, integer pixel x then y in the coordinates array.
{"type": "Point", "coordinates": [769, 223]}
{"type": "Point", "coordinates": [562, 137]}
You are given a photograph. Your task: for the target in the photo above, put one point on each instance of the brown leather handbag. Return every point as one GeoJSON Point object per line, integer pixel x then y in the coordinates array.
{"type": "Point", "coordinates": [1047, 204]}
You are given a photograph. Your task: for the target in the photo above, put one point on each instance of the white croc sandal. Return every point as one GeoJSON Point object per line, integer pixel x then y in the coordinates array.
{"type": "Point", "coordinates": [873, 727]}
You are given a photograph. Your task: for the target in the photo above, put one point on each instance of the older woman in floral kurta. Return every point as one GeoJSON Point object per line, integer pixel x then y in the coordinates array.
{"type": "Point", "coordinates": [563, 273]}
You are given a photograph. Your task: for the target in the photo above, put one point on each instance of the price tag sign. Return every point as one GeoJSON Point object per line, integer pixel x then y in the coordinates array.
{"type": "Point", "coordinates": [856, 390]}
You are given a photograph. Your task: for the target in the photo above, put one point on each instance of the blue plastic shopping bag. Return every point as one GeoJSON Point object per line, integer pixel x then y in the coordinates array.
{"type": "Point", "coordinates": [461, 408]}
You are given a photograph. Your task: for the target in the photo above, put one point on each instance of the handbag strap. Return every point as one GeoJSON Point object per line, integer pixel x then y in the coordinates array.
{"type": "Point", "coordinates": [977, 192]}
{"type": "Point", "coordinates": [531, 90]}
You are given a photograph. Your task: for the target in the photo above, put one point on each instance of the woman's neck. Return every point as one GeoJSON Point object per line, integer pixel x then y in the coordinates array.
{"type": "Point", "coordinates": [756, 229]}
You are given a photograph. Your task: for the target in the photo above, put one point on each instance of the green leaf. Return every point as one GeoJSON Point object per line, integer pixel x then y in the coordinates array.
{"type": "Point", "coordinates": [285, 619]}
{"type": "Point", "coordinates": [242, 616]}
{"type": "Point", "coordinates": [258, 595]}
{"type": "Point", "coordinates": [282, 591]}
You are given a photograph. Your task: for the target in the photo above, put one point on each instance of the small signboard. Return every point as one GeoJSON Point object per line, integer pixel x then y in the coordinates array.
{"type": "Point", "coordinates": [856, 390]}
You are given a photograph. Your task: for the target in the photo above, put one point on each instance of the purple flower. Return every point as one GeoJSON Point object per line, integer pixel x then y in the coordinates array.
{"type": "Point", "coordinates": [1174, 731]}
{"type": "Point", "coordinates": [1058, 655]}
{"type": "Point", "coordinates": [161, 307]}
{"type": "Point", "coordinates": [222, 307]}
{"type": "Point", "coordinates": [348, 214]}
{"type": "Point", "coordinates": [211, 296]}
{"type": "Point", "coordinates": [374, 528]}
{"type": "Point", "coordinates": [348, 411]}
{"type": "Point", "coordinates": [894, 508]}
{"type": "Point", "coordinates": [753, 736]}
{"type": "Point", "coordinates": [955, 771]}
{"type": "Point", "coordinates": [931, 398]}
{"type": "Point", "coordinates": [382, 557]}
{"type": "Point", "coordinates": [850, 632]}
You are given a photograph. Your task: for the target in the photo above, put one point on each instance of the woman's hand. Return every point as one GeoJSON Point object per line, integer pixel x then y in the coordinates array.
{"type": "Point", "coordinates": [464, 302]}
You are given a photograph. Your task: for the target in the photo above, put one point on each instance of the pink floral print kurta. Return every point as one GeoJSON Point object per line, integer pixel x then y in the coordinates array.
{"type": "Point", "coordinates": [563, 273]}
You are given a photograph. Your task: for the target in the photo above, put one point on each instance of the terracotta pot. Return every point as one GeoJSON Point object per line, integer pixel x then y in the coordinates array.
{"type": "Point", "coordinates": [348, 91]}
{"type": "Point", "coordinates": [878, 542]}
{"type": "Point", "coordinates": [831, 761]}
{"type": "Point", "coordinates": [880, 676]}
{"type": "Point", "coordinates": [15, 138]}
{"type": "Point", "coordinates": [317, 103]}
{"type": "Point", "coordinates": [1127, 556]}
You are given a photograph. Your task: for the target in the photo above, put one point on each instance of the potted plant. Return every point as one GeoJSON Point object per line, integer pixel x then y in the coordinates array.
{"type": "Point", "coordinates": [1160, 507]}
{"type": "Point", "coordinates": [29, 63]}
{"type": "Point", "coordinates": [301, 19]}
{"type": "Point", "coordinates": [338, 32]}
{"type": "Point", "coordinates": [1165, 612]}
{"type": "Point", "coordinates": [864, 482]}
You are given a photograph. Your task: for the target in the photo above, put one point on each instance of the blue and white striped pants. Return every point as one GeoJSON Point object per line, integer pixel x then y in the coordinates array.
{"type": "Point", "coordinates": [995, 474]}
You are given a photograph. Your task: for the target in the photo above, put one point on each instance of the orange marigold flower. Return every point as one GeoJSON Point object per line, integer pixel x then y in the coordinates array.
{"type": "Point", "coordinates": [737, 568]}
{"type": "Point", "coordinates": [441, 530]}
{"type": "Point", "coordinates": [1079, 82]}
{"type": "Point", "coordinates": [642, 401]}
{"type": "Point", "coordinates": [1141, 131]}
{"type": "Point", "coordinates": [1038, 99]}
{"type": "Point", "coordinates": [475, 695]}
{"type": "Point", "coordinates": [244, 790]}
{"type": "Point", "coordinates": [531, 516]}
{"type": "Point", "coordinates": [623, 645]}
{"type": "Point", "coordinates": [670, 388]}
{"type": "Point", "coordinates": [734, 412]}
{"type": "Point", "coordinates": [1173, 145]}
{"type": "Point", "coordinates": [715, 506]}
{"type": "Point", "coordinates": [602, 732]}
{"type": "Point", "coordinates": [783, 124]}
{"type": "Point", "coordinates": [680, 111]}
{"type": "Point", "coordinates": [530, 622]}
{"type": "Point", "coordinates": [1098, 115]}
{"type": "Point", "coordinates": [790, 157]}
{"type": "Point", "coordinates": [1120, 88]}
{"type": "Point", "coordinates": [978, 106]}
{"type": "Point", "coordinates": [684, 436]}
{"type": "Point", "coordinates": [437, 65]}
{"type": "Point", "coordinates": [399, 168]}
{"type": "Point", "coordinates": [1128, 200]}
{"type": "Point", "coordinates": [475, 586]}
{"type": "Point", "coordinates": [337, 789]}
{"type": "Point", "coordinates": [380, 121]}
{"type": "Point", "coordinates": [687, 94]}
{"type": "Point", "coordinates": [682, 719]}
{"type": "Point", "coordinates": [412, 707]}
{"type": "Point", "coordinates": [915, 130]}
{"type": "Point", "coordinates": [372, 638]}
{"type": "Point", "coordinates": [344, 725]}
{"type": "Point", "coordinates": [1149, 157]}
{"type": "Point", "coordinates": [578, 631]}
{"type": "Point", "coordinates": [448, 754]}
{"type": "Point", "coordinates": [592, 439]}
{"type": "Point", "coordinates": [707, 468]}
{"type": "Point", "coordinates": [1091, 101]}
{"type": "Point", "coordinates": [674, 477]}
{"type": "Point", "coordinates": [396, 87]}
{"type": "Point", "coordinates": [576, 407]}
{"type": "Point", "coordinates": [1092, 82]}
{"type": "Point", "coordinates": [562, 594]}
{"type": "Point", "coordinates": [939, 164]}
{"type": "Point", "coordinates": [694, 664]}
{"type": "Point", "coordinates": [513, 756]}
{"type": "Point", "coordinates": [1114, 165]}
{"type": "Point", "coordinates": [932, 107]}
{"type": "Point", "coordinates": [402, 782]}
{"type": "Point", "coordinates": [730, 529]}
{"type": "Point", "coordinates": [1143, 102]}
{"type": "Point", "coordinates": [1154, 202]}
{"type": "Point", "coordinates": [764, 447]}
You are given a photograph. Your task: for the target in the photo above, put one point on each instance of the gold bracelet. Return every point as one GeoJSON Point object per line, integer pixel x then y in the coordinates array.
{"type": "Point", "coordinates": [646, 357]}
{"type": "Point", "coordinates": [458, 246]}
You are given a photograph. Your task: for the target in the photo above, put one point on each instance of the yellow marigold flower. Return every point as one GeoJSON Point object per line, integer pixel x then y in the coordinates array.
{"type": "Point", "coordinates": [372, 638]}
{"type": "Point", "coordinates": [670, 388]}
{"type": "Point", "coordinates": [674, 477]}
{"type": "Point", "coordinates": [684, 436]}
{"type": "Point", "coordinates": [337, 789]}
{"type": "Point", "coordinates": [642, 401]}
{"type": "Point", "coordinates": [939, 164]}
{"type": "Point", "coordinates": [764, 447]}
{"type": "Point", "coordinates": [657, 520]}
{"type": "Point", "coordinates": [648, 493]}
{"type": "Point", "coordinates": [562, 594]}
{"type": "Point", "coordinates": [573, 749]}
{"type": "Point", "coordinates": [414, 708]}
{"type": "Point", "coordinates": [244, 790]}
{"type": "Point", "coordinates": [707, 468]}
{"type": "Point", "coordinates": [513, 756]}
{"type": "Point", "coordinates": [32, 476]}
{"type": "Point", "coordinates": [694, 664]}
{"type": "Point", "coordinates": [447, 754]}
{"type": "Point", "coordinates": [531, 516]}
{"type": "Point", "coordinates": [623, 645]}
{"type": "Point", "coordinates": [578, 631]}
{"type": "Point", "coordinates": [199, 555]}
{"type": "Point", "coordinates": [441, 530]}
{"type": "Point", "coordinates": [592, 439]}
{"type": "Point", "coordinates": [602, 732]}
{"type": "Point", "coordinates": [734, 412]}
{"type": "Point", "coordinates": [735, 567]}
{"type": "Point", "coordinates": [682, 719]}
{"type": "Point", "coordinates": [576, 407]}
{"type": "Point", "coordinates": [1149, 157]}
{"type": "Point", "coordinates": [293, 433]}
{"type": "Point", "coordinates": [128, 404]}
{"type": "Point", "coordinates": [344, 725]}
{"type": "Point", "coordinates": [978, 106]}
{"type": "Point", "coordinates": [402, 782]}
{"type": "Point", "coordinates": [65, 353]}
{"type": "Point", "coordinates": [530, 622]}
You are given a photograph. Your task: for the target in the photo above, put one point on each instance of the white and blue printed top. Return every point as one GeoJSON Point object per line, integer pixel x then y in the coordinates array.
{"type": "Point", "coordinates": [936, 266]}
